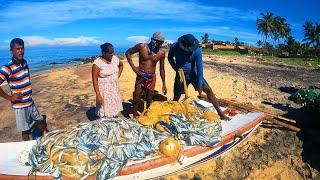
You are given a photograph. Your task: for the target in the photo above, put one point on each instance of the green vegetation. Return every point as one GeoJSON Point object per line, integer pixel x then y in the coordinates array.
{"type": "Point", "coordinates": [277, 44]}
{"type": "Point", "coordinates": [221, 52]}
{"type": "Point", "coordinates": [309, 62]}
{"type": "Point", "coordinates": [307, 97]}
{"type": "Point", "coordinates": [298, 61]}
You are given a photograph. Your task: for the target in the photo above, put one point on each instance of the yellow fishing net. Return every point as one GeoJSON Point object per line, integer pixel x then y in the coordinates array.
{"type": "Point", "coordinates": [171, 148]}
{"type": "Point", "coordinates": [161, 111]}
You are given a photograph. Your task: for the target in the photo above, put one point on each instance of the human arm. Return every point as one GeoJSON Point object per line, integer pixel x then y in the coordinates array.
{"type": "Point", "coordinates": [4, 75]}
{"type": "Point", "coordinates": [13, 98]}
{"type": "Point", "coordinates": [95, 75]}
{"type": "Point", "coordinates": [133, 50]}
{"type": "Point", "coordinates": [120, 68]}
{"type": "Point", "coordinates": [171, 60]}
{"type": "Point", "coordinates": [217, 107]}
{"type": "Point", "coordinates": [162, 73]}
{"type": "Point", "coordinates": [5, 95]}
{"type": "Point", "coordinates": [199, 66]}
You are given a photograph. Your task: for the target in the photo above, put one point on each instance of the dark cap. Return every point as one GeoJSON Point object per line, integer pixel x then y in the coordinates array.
{"type": "Point", "coordinates": [188, 42]}
{"type": "Point", "coordinates": [158, 36]}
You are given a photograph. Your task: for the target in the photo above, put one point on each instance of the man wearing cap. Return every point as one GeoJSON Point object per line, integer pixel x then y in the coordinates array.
{"type": "Point", "coordinates": [149, 55]}
{"type": "Point", "coordinates": [186, 54]}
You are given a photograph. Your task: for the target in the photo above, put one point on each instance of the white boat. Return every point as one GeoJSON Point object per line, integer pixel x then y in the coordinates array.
{"type": "Point", "coordinates": [234, 132]}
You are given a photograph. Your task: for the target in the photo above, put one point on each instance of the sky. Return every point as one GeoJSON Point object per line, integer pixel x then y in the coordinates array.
{"type": "Point", "coordinates": [124, 23]}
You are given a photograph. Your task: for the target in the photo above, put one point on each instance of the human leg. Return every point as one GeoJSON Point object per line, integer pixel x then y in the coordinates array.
{"type": "Point", "coordinates": [136, 99]}
{"type": "Point", "coordinates": [150, 93]}
{"type": "Point", "coordinates": [22, 122]}
{"type": "Point", "coordinates": [39, 119]}
{"type": "Point", "coordinates": [212, 98]}
{"type": "Point", "coordinates": [177, 88]}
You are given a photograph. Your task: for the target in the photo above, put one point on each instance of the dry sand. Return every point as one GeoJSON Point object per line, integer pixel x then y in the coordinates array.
{"type": "Point", "coordinates": [66, 96]}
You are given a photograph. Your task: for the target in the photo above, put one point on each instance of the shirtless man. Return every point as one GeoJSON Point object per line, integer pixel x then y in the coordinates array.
{"type": "Point", "coordinates": [149, 55]}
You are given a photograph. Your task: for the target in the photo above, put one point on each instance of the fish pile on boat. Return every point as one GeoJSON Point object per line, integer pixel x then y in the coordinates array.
{"type": "Point", "coordinates": [103, 147]}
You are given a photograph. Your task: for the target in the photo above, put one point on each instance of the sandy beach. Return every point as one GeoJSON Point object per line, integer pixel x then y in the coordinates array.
{"type": "Point", "coordinates": [66, 97]}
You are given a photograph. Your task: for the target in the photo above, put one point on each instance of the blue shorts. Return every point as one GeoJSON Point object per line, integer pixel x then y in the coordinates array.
{"type": "Point", "coordinates": [190, 79]}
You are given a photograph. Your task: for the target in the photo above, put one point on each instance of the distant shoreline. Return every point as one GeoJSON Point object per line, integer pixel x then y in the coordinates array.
{"type": "Point", "coordinates": [48, 58]}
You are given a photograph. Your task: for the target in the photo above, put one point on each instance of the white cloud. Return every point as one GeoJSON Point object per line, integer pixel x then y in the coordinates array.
{"type": "Point", "coordinates": [137, 39]}
{"type": "Point", "coordinates": [40, 40]}
{"type": "Point", "coordinates": [53, 13]}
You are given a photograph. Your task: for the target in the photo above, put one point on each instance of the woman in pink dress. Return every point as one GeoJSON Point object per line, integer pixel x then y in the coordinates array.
{"type": "Point", "coordinates": [106, 71]}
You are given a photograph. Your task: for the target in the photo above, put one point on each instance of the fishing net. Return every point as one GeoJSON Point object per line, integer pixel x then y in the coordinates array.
{"type": "Point", "coordinates": [103, 147]}
{"type": "Point", "coordinates": [99, 148]}
{"type": "Point", "coordinates": [171, 147]}
{"type": "Point", "coordinates": [161, 111]}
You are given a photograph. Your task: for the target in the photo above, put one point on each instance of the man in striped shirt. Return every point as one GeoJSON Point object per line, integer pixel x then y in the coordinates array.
{"type": "Point", "coordinates": [16, 73]}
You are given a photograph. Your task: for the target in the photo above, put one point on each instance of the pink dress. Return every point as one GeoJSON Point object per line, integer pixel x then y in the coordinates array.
{"type": "Point", "coordinates": [108, 83]}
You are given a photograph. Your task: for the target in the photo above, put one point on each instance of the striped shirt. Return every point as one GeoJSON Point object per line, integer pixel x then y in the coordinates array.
{"type": "Point", "coordinates": [18, 78]}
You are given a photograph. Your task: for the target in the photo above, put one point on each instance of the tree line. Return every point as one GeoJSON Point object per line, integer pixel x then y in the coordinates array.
{"type": "Point", "coordinates": [277, 29]}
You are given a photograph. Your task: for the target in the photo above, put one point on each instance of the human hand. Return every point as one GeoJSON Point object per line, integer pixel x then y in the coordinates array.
{"type": "Point", "coordinates": [136, 70]}
{"type": "Point", "coordinates": [164, 89]}
{"type": "Point", "coordinates": [200, 89]}
{"type": "Point", "coordinates": [99, 99]}
{"type": "Point", "coordinates": [16, 96]}
{"type": "Point", "coordinates": [154, 57]}
{"type": "Point", "coordinates": [224, 117]}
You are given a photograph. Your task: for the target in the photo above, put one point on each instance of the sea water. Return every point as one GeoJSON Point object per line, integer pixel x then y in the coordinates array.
{"type": "Point", "coordinates": [46, 58]}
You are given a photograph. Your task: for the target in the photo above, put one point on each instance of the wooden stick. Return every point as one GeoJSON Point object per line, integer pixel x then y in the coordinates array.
{"type": "Point", "coordinates": [273, 116]}
{"type": "Point", "coordinates": [288, 126]}
{"type": "Point", "coordinates": [252, 108]}
{"type": "Point", "coordinates": [183, 80]}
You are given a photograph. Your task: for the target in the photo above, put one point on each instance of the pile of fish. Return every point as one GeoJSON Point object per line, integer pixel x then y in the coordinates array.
{"type": "Point", "coordinates": [103, 147]}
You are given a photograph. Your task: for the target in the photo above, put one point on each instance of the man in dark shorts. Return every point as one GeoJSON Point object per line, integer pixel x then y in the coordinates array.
{"type": "Point", "coordinates": [149, 55]}
{"type": "Point", "coordinates": [186, 55]}
{"type": "Point", "coordinates": [16, 73]}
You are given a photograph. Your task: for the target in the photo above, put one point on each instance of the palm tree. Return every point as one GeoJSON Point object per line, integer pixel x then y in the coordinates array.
{"type": "Point", "coordinates": [265, 25]}
{"type": "Point", "coordinates": [259, 43]}
{"type": "Point", "coordinates": [317, 36]}
{"type": "Point", "coordinates": [308, 32]}
{"type": "Point", "coordinates": [312, 34]}
{"type": "Point", "coordinates": [269, 48]}
{"type": "Point", "coordinates": [278, 24]}
{"type": "Point", "coordinates": [281, 28]}
{"type": "Point", "coordinates": [205, 39]}
{"type": "Point", "coordinates": [293, 46]}
{"type": "Point", "coordinates": [236, 41]}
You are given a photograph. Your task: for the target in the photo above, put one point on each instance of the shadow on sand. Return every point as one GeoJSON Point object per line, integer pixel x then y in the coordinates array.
{"type": "Point", "coordinates": [127, 106]}
{"type": "Point", "coordinates": [127, 109]}
{"type": "Point", "coordinates": [309, 123]}
{"type": "Point", "coordinates": [91, 114]}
